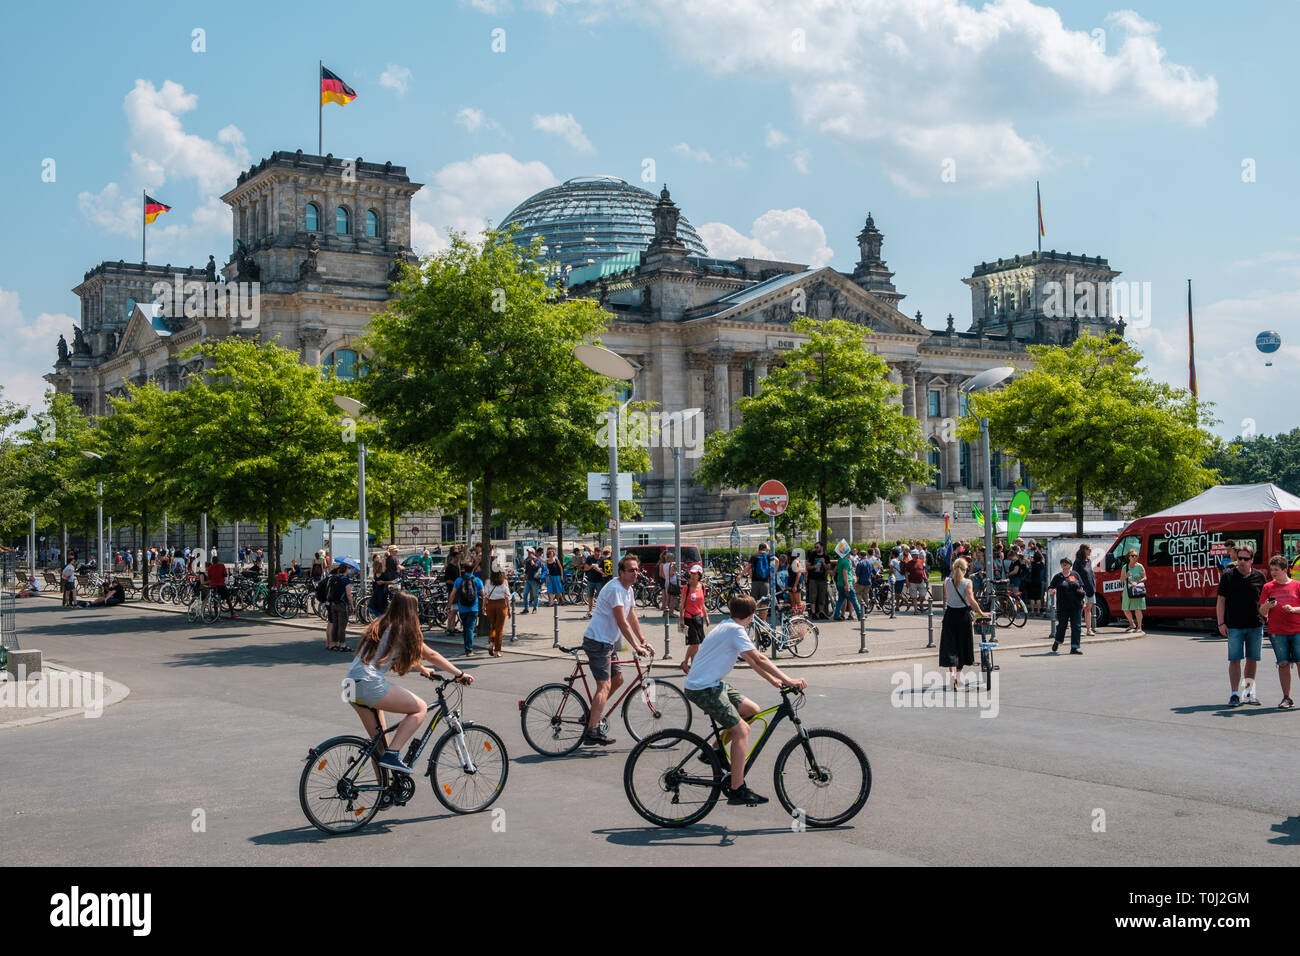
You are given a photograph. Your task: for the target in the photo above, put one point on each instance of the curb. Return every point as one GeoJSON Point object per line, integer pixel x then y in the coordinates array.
{"type": "Point", "coordinates": [114, 693]}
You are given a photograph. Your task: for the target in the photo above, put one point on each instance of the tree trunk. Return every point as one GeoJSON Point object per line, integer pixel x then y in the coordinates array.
{"type": "Point", "coordinates": [272, 554]}
{"type": "Point", "coordinates": [1078, 506]}
{"type": "Point", "coordinates": [821, 502]}
{"type": "Point", "coordinates": [487, 525]}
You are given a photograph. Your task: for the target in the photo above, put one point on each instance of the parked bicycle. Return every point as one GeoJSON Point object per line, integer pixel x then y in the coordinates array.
{"type": "Point", "coordinates": [554, 716]}
{"type": "Point", "coordinates": [821, 776]}
{"type": "Point", "coordinates": [797, 634]}
{"type": "Point", "coordinates": [343, 786]}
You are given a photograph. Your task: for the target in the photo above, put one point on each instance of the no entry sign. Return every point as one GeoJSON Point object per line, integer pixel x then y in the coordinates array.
{"type": "Point", "coordinates": [772, 498]}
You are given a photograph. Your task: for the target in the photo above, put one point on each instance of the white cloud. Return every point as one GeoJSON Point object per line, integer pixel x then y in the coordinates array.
{"type": "Point", "coordinates": [474, 119]}
{"type": "Point", "coordinates": [111, 211]}
{"type": "Point", "coordinates": [912, 83]}
{"type": "Point", "coordinates": [774, 137]}
{"type": "Point", "coordinates": [566, 127]}
{"type": "Point", "coordinates": [29, 349]}
{"type": "Point", "coordinates": [1230, 371]}
{"type": "Point", "coordinates": [800, 160]}
{"type": "Point", "coordinates": [465, 194]}
{"type": "Point", "coordinates": [736, 162]}
{"type": "Point", "coordinates": [699, 155]}
{"type": "Point", "coordinates": [396, 78]}
{"type": "Point", "coordinates": [155, 131]}
{"type": "Point", "coordinates": [786, 235]}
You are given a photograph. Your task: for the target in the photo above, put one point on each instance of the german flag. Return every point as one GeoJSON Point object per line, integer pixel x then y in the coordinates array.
{"type": "Point", "coordinates": [153, 208]}
{"type": "Point", "coordinates": [334, 90]}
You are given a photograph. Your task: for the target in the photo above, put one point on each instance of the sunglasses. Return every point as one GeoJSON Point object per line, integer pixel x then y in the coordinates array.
{"type": "Point", "coordinates": [1244, 557]}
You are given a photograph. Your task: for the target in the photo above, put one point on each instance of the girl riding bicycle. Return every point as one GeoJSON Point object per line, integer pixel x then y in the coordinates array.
{"type": "Point", "coordinates": [393, 642]}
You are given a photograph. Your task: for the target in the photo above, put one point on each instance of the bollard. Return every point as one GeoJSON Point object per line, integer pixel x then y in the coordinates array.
{"type": "Point", "coordinates": [930, 622]}
{"type": "Point", "coordinates": [514, 637]}
{"type": "Point", "coordinates": [862, 634]}
{"type": "Point", "coordinates": [556, 609]}
{"type": "Point", "coordinates": [1051, 618]}
{"type": "Point", "coordinates": [667, 635]}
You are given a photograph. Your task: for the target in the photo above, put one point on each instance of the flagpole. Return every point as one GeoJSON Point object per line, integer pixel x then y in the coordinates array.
{"type": "Point", "coordinates": [1191, 345]}
{"type": "Point", "coordinates": [1039, 192]}
{"type": "Point", "coordinates": [320, 112]}
{"type": "Point", "coordinates": [144, 225]}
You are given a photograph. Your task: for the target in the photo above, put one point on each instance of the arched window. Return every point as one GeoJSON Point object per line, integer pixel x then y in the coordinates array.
{"type": "Point", "coordinates": [313, 217]}
{"type": "Point", "coordinates": [342, 221]}
{"type": "Point", "coordinates": [372, 224]}
{"type": "Point", "coordinates": [936, 462]}
{"type": "Point", "coordinates": [343, 362]}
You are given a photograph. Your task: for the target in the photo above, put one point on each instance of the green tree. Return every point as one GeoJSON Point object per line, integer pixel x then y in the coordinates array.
{"type": "Point", "coordinates": [257, 438]}
{"type": "Point", "coordinates": [1273, 459]}
{"type": "Point", "coordinates": [824, 425]}
{"type": "Point", "coordinates": [1091, 426]}
{"type": "Point", "coordinates": [13, 471]}
{"type": "Point", "coordinates": [135, 445]}
{"type": "Point", "coordinates": [472, 366]}
{"type": "Point", "coordinates": [56, 477]}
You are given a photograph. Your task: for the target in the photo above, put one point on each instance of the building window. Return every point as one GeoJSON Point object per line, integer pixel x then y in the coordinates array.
{"type": "Point", "coordinates": [342, 221]}
{"type": "Point", "coordinates": [130, 306]}
{"type": "Point", "coordinates": [747, 380]}
{"type": "Point", "coordinates": [965, 465]}
{"type": "Point", "coordinates": [961, 404]}
{"type": "Point", "coordinates": [936, 398]}
{"type": "Point", "coordinates": [313, 217]}
{"type": "Point", "coordinates": [343, 363]}
{"type": "Point", "coordinates": [372, 224]}
{"type": "Point", "coordinates": [995, 468]}
{"type": "Point", "coordinates": [936, 462]}
{"type": "Point", "coordinates": [448, 528]}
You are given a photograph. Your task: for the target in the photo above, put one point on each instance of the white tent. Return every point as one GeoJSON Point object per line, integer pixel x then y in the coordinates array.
{"type": "Point", "coordinates": [1234, 499]}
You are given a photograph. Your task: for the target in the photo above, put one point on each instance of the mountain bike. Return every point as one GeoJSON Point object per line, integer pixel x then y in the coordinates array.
{"type": "Point", "coordinates": [554, 716]}
{"type": "Point", "coordinates": [342, 786]}
{"type": "Point", "coordinates": [821, 776]}
{"type": "Point", "coordinates": [797, 634]}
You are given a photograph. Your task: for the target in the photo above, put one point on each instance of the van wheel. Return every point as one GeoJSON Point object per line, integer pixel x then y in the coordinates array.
{"type": "Point", "coordinates": [1102, 614]}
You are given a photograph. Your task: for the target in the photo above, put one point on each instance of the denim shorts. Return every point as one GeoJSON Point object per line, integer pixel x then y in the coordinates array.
{"type": "Point", "coordinates": [1245, 642]}
{"type": "Point", "coordinates": [600, 658]}
{"type": "Point", "coordinates": [1286, 647]}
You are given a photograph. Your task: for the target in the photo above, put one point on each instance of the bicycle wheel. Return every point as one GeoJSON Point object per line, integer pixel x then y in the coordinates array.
{"type": "Point", "coordinates": [167, 593]}
{"type": "Point", "coordinates": [1003, 613]}
{"type": "Point", "coordinates": [463, 791]}
{"type": "Point", "coordinates": [284, 605]}
{"type": "Point", "coordinates": [667, 783]}
{"type": "Point", "coordinates": [328, 789]}
{"type": "Point", "coordinates": [553, 719]}
{"type": "Point", "coordinates": [1021, 617]}
{"type": "Point", "coordinates": [986, 665]}
{"type": "Point", "coordinates": [211, 609]}
{"type": "Point", "coordinates": [827, 783]}
{"type": "Point", "coordinates": [801, 637]}
{"type": "Point", "coordinates": [655, 705]}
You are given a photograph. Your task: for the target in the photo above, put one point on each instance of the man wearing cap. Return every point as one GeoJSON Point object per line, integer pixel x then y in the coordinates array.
{"type": "Point", "coordinates": [760, 576]}
{"type": "Point", "coordinates": [534, 575]}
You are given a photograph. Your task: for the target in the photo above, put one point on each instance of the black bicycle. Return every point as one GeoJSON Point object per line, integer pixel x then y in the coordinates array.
{"type": "Point", "coordinates": [343, 786]}
{"type": "Point", "coordinates": [822, 778]}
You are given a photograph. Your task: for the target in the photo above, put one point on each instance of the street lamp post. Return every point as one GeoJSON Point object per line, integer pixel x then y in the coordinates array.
{"type": "Point", "coordinates": [99, 513]}
{"type": "Point", "coordinates": [355, 409]}
{"type": "Point", "coordinates": [612, 365]}
{"type": "Point", "coordinates": [983, 382]}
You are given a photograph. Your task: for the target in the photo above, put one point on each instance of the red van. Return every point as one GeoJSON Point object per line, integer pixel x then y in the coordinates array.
{"type": "Point", "coordinates": [1185, 549]}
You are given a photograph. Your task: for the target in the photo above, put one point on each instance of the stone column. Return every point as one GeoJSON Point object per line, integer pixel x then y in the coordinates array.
{"type": "Point", "coordinates": [896, 377]}
{"type": "Point", "coordinates": [952, 449]}
{"type": "Point", "coordinates": [311, 340]}
{"type": "Point", "coordinates": [760, 372]}
{"type": "Point", "coordinates": [721, 360]}
{"type": "Point", "coordinates": [908, 370]}
{"type": "Point", "coordinates": [1013, 473]}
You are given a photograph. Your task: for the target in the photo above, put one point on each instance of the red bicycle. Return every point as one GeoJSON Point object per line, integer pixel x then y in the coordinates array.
{"type": "Point", "coordinates": [554, 716]}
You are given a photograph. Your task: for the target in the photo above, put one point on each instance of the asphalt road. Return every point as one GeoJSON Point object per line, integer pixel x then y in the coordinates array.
{"type": "Point", "coordinates": [1133, 737]}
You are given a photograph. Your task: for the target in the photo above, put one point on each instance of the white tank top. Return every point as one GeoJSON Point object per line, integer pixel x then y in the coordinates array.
{"type": "Point", "coordinates": [950, 596]}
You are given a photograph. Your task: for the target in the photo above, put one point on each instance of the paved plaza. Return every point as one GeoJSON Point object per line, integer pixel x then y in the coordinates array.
{"type": "Point", "coordinates": [1124, 756]}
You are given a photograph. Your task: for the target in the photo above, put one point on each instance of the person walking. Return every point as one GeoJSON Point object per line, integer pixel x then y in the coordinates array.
{"type": "Point", "coordinates": [534, 571]}
{"type": "Point", "coordinates": [1088, 578]}
{"type": "Point", "coordinates": [760, 576]}
{"type": "Point", "coordinates": [1032, 585]}
{"type": "Point", "coordinates": [1237, 609]}
{"type": "Point", "coordinates": [69, 575]}
{"type": "Point", "coordinates": [338, 600]}
{"type": "Point", "coordinates": [317, 568]}
{"type": "Point", "coordinates": [1068, 590]}
{"type": "Point", "coordinates": [1133, 599]}
{"type": "Point", "coordinates": [465, 594]}
{"type": "Point", "coordinates": [554, 579]}
{"type": "Point", "coordinates": [1280, 602]}
{"type": "Point", "coordinates": [818, 570]}
{"type": "Point", "coordinates": [378, 590]}
{"type": "Point", "coordinates": [449, 575]}
{"type": "Point", "coordinates": [844, 585]}
{"type": "Point", "coordinates": [595, 579]}
{"type": "Point", "coordinates": [957, 637]}
{"type": "Point", "coordinates": [497, 599]}
{"type": "Point", "coordinates": [918, 580]}
{"type": "Point", "coordinates": [798, 576]}
{"type": "Point", "coordinates": [694, 615]}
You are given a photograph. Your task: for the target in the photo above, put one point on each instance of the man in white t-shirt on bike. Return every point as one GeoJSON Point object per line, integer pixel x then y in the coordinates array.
{"type": "Point", "coordinates": [706, 689]}
{"type": "Point", "coordinates": [614, 616]}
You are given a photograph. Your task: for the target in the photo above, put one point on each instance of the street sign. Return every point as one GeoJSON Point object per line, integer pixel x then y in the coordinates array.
{"type": "Point", "coordinates": [415, 529]}
{"type": "Point", "coordinates": [611, 524]}
{"type": "Point", "coordinates": [773, 499]}
{"type": "Point", "coordinates": [598, 486]}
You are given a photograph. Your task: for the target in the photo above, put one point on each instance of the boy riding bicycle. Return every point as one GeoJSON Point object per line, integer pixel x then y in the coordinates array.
{"type": "Point", "coordinates": [706, 689]}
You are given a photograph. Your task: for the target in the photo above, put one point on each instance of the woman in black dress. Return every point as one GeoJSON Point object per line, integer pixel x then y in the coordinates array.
{"type": "Point", "coordinates": [957, 640]}
{"type": "Point", "coordinates": [1031, 588]}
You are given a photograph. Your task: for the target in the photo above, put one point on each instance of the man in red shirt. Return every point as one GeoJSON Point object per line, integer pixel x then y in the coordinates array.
{"type": "Point", "coordinates": [217, 579]}
{"type": "Point", "coordinates": [1280, 600]}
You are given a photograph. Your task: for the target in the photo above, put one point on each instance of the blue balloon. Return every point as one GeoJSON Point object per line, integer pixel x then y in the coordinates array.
{"type": "Point", "coordinates": [1268, 342]}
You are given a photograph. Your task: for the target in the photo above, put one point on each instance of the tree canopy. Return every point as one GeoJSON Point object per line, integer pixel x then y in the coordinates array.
{"type": "Point", "coordinates": [1274, 459]}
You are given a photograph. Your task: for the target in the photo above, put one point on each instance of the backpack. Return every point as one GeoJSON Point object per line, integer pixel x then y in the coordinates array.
{"type": "Point", "coordinates": [539, 572]}
{"type": "Point", "coordinates": [762, 566]}
{"type": "Point", "coordinates": [864, 571]}
{"type": "Point", "coordinates": [468, 591]}
{"type": "Point", "coordinates": [337, 588]}
{"type": "Point", "coordinates": [323, 589]}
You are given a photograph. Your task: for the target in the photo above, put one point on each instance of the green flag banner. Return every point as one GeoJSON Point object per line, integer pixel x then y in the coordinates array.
{"type": "Point", "coordinates": [979, 518]}
{"type": "Point", "coordinates": [1017, 514]}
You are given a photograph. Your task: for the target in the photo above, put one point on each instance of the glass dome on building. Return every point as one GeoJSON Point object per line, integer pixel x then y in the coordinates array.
{"type": "Point", "coordinates": [591, 218]}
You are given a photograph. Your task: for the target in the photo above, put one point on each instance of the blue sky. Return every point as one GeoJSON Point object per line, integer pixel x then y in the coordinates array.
{"type": "Point", "coordinates": [773, 141]}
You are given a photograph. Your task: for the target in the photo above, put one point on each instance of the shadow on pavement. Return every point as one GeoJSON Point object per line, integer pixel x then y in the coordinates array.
{"type": "Point", "coordinates": [698, 835]}
{"type": "Point", "coordinates": [307, 833]}
{"type": "Point", "coordinates": [1289, 832]}
{"type": "Point", "coordinates": [1222, 710]}
{"type": "Point", "coordinates": [584, 754]}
